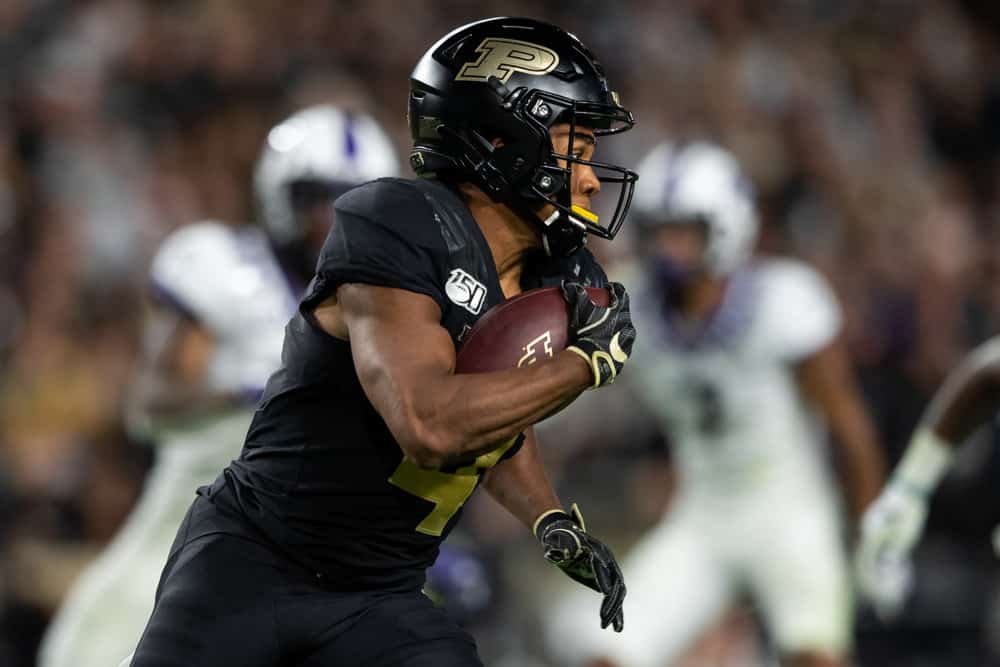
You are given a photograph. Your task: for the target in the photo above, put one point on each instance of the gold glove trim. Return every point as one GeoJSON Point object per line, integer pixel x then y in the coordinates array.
{"type": "Point", "coordinates": [534, 526]}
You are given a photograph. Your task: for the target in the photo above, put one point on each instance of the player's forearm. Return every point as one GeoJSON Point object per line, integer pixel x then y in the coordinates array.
{"type": "Point", "coordinates": [155, 399]}
{"type": "Point", "coordinates": [171, 382]}
{"type": "Point", "coordinates": [826, 378]}
{"type": "Point", "coordinates": [521, 485]}
{"type": "Point", "coordinates": [862, 461]}
{"type": "Point", "coordinates": [456, 417]}
{"type": "Point", "coordinates": [969, 398]}
{"type": "Point", "coordinates": [172, 402]}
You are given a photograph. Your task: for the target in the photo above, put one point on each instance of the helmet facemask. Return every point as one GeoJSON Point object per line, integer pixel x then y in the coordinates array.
{"type": "Point", "coordinates": [700, 181]}
{"type": "Point", "coordinates": [512, 159]}
{"type": "Point", "coordinates": [550, 183]}
{"type": "Point", "coordinates": [675, 272]}
{"type": "Point", "coordinates": [310, 205]}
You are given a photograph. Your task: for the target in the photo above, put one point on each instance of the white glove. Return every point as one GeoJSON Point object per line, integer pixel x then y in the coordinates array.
{"type": "Point", "coordinates": [892, 524]}
{"type": "Point", "coordinates": [890, 528]}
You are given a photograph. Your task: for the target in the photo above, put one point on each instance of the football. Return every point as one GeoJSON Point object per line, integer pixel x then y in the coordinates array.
{"type": "Point", "coordinates": [520, 331]}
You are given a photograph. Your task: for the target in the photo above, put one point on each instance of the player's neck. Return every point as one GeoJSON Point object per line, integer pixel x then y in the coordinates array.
{"type": "Point", "coordinates": [509, 237]}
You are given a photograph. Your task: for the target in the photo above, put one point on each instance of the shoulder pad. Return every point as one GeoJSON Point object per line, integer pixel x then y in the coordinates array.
{"type": "Point", "coordinates": [396, 204]}
{"type": "Point", "coordinates": [799, 313]}
{"type": "Point", "coordinates": [385, 233]}
{"type": "Point", "coordinates": [191, 266]}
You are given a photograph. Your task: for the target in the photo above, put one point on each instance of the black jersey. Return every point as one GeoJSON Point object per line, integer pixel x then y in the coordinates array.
{"type": "Point", "coordinates": [320, 474]}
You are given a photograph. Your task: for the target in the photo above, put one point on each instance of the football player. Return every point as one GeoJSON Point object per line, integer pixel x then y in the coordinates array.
{"type": "Point", "coordinates": [740, 361]}
{"type": "Point", "coordinates": [222, 296]}
{"type": "Point", "coordinates": [311, 548]}
{"type": "Point", "coordinates": [893, 524]}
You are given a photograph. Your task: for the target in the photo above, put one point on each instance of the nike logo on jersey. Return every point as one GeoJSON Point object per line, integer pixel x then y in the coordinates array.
{"type": "Point", "coordinates": [465, 291]}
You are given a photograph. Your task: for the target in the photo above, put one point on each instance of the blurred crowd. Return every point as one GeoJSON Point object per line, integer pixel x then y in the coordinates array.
{"type": "Point", "coordinates": [870, 128]}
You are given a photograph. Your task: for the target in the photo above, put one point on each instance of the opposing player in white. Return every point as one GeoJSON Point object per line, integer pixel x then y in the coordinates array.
{"type": "Point", "coordinates": [892, 526]}
{"type": "Point", "coordinates": [742, 366]}
{"type": "Point", "coordinates": [222, 296]}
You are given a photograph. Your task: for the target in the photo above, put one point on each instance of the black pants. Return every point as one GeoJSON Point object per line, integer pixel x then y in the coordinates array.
{"type": "Point", "coordinates": [227, 600]}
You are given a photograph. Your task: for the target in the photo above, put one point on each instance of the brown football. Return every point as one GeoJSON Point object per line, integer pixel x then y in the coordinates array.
{"type": "Point", "coordinates": [520, 331]}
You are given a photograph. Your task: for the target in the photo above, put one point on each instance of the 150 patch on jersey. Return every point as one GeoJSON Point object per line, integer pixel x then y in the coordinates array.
{"type": "Point", "coordinates": [465, 291]}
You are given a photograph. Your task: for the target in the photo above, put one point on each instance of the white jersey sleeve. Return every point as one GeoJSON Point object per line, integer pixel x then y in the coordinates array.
{"type": "Point", "coordinates": [229, 282]}
{"type": "Point", "coordinates": [799, 313]}
{"type": "Point", "coordinates": [192, 272]}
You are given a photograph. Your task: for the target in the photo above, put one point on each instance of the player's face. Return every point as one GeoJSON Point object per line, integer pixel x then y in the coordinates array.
{"type": "Point", "coordinates": [585, 184]}
{"type": "Point", "coordinates": [676, 259]}
{"type": "Point", "coordinates": [314, 217]}
{"type": "Point", "coordinates": [682, 245]}
{"type": "Point", "coordinates": [317, 218]}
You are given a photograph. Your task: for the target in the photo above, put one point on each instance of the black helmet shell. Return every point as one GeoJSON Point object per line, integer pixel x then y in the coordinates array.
{"type": "Point", "coordinates": [482, 102]}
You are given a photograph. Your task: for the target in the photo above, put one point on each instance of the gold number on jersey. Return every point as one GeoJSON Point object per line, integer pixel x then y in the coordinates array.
{"type": "Point", "coordinates": [447, 490]}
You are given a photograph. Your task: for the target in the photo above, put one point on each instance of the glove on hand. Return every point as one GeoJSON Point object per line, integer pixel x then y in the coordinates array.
{"type": "Point", "coordinates": [584, 559]}
{"type": "Point", "coordinates": [602, 336]}
{"type": "Point", "coordinates": [890, 528]}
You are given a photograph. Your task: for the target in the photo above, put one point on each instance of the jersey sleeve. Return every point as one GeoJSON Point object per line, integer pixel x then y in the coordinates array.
{"type": "Point", "coordinates": [800, 313]}
{"type": "Point", "coordinates": [384, 234]}
{"type": "Point", "coordinates": [190, 272]}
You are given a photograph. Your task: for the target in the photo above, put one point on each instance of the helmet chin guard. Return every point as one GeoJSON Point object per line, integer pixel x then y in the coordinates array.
{"type": "Point", "coordinates": [565, 230]}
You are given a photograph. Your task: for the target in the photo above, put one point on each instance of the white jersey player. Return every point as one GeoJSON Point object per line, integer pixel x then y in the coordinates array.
{"type": "Point", "coordinates": [222, 296]}
{"type": "Point", "coordinates": [740, 364]}
{"type": "Point", "coordinates": [894, 523]}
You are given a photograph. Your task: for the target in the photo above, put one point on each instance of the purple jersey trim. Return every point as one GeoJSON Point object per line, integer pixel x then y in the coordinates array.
{"type": "Point", "coordinates": [167, 297]}
{"type": "Point", "coordinates": [726, 324]}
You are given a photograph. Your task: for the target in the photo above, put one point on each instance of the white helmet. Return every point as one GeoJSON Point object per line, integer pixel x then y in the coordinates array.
{"type": "Point", "coordinates": [700, 180]}
{"type": "Point", "coordinates": [322, 145]}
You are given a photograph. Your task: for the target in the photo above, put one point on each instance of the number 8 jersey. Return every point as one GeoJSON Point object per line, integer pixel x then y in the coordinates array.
{"type": "Point", "coordinates": [321, 475]}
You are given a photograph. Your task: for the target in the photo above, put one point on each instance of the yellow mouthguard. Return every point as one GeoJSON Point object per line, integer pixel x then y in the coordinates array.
{"type": "Point", "coordinates": [589, 216]}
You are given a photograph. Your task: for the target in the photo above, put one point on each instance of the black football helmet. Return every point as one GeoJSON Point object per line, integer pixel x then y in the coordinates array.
{"type": "Point", "coordinates": [513, 79]}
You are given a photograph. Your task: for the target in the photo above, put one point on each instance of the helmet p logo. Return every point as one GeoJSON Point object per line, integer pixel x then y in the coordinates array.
{"type": "Point", "coordinates": [501, 57]}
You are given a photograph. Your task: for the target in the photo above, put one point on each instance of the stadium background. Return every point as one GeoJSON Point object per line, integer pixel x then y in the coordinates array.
{"type": "Point", "coordinates": [870, 128]}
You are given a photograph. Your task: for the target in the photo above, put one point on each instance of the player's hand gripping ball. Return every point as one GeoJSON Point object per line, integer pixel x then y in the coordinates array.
{"type": "Point", "coordinates": [603, 337]}
{"type": "Point", "coordinates": [523, 330]}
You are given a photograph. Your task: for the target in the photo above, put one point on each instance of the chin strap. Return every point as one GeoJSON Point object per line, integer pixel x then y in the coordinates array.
{"type": "Point", "coordinates": [563, 234]}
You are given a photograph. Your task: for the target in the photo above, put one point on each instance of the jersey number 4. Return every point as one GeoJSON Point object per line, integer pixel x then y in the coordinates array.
{"type": "Point", "coordinates": [447, 490]}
